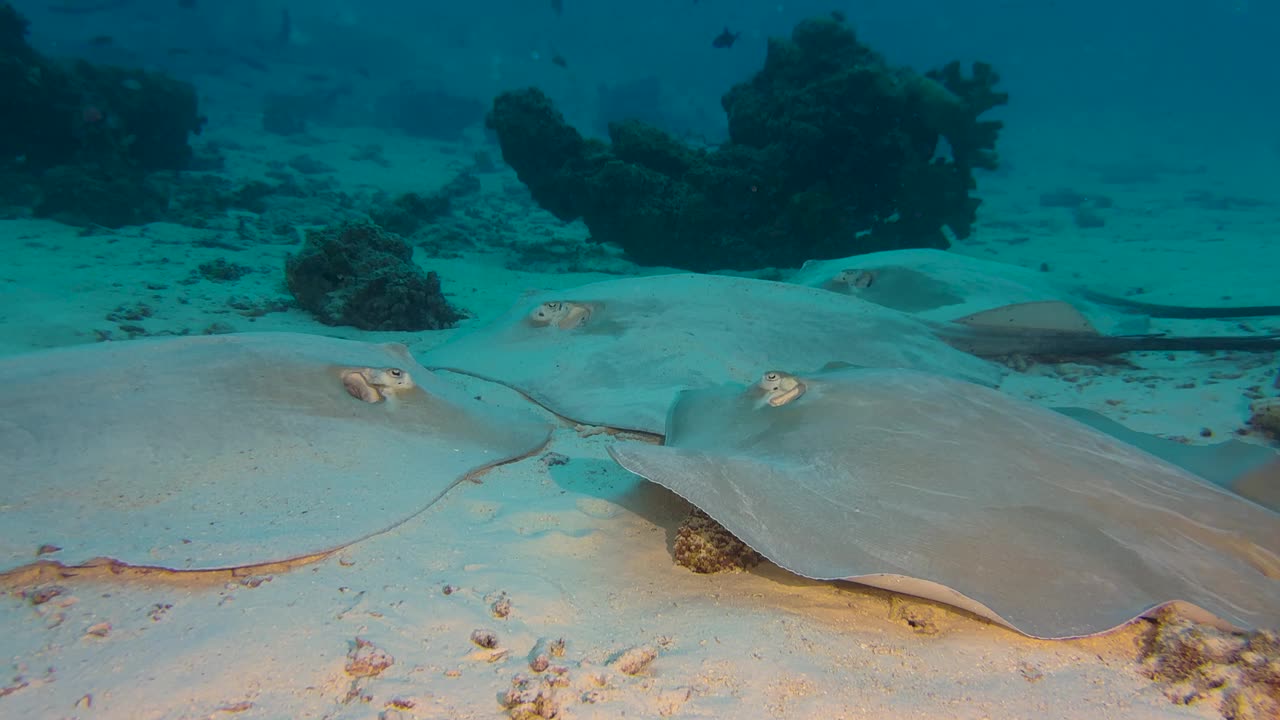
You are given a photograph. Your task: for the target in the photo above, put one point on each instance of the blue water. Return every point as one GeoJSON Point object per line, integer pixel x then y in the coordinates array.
{"type": "Point", "coordinates": [1204, 67]}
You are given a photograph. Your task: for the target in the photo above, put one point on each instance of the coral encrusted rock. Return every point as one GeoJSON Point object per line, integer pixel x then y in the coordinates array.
{"type": "Point", "coordinates": [705, 546]}
{"type": "Point", "coordinates": [360, 275]}
{"type": "Point", "coordinates": [832, 152]}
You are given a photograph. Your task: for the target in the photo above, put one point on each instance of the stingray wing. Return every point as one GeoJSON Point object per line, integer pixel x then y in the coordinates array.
{"type": "Point", "coordinates": [926, 482]}
{"type": "Point", "coordinates": [227, 451]}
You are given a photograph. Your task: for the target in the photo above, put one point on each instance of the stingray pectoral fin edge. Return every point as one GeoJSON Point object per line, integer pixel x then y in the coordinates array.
{"type": "Point", "coordinates": [233, 451]}
{"type": "Point", "coordinates": [633, 460]}
{"type": "Point", "coordinates": [632, 457]}
{"type": "Point", "coordinates": [939, 593]}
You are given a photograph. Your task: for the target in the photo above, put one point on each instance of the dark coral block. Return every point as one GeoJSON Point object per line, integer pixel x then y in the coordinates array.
{"type": "Point", "coordinates": [832, 152]}
{"type": "Point", "coordinates": [547, 154]}
{"type": "Point", "coordinates": [360, 275]}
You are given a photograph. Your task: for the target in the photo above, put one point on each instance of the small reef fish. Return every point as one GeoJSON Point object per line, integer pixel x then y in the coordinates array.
{"type": "Point", "coordinates": [284, 35]}
{"type": "Point", "coordinates": [725, 39]}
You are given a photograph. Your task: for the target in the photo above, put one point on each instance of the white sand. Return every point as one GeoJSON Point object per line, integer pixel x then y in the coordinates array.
{"type": "Point", "coordinates": [581, 550]}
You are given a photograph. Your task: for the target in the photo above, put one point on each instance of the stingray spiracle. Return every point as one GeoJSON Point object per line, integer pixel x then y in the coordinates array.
{"type": "Point", "coordinates": [780, 388]}
{"type": "Point", "coordinates": [563, 314]}
{"type": "Point", "coordinates": [374, 385]}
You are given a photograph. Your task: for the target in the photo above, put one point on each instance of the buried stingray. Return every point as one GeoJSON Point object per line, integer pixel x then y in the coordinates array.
{"type": "Point", "coordinates": [943, 489]}
{"type": "Point", "coordinates": [229, 451]}
{"type": "Point", "coordinates": [992, 309]}
{"type": "Point", "coordinates": [1246, 469]}
{"type": "Point", "coordinates": [947, 286]}
{"type": "Point", "coordinates": [618, 352]}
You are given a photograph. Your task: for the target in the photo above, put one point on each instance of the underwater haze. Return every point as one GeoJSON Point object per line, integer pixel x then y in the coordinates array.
{"type": "Point", "coordinates": [690, 358]}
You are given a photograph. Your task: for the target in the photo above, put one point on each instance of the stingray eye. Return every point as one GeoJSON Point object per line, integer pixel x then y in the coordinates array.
{"type": "Point", "coordinates": [771, 376]}
{"type": "Point", "coordinates": [864, 280]}
{"type": "Point", "coordinates": [552, 306]}
{"type": "Point", "coordinates": [396, 373]}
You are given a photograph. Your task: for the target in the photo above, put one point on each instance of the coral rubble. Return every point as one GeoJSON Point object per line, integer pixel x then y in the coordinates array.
{"type": "Point", "coordinates": [410, 212]}
{"type": "Point", "coordinates": [1238, 672]}
{"type": "Point", "coordinates": [832, 152]}
{"type": "Point", "coordinates": [1265, 416]}
{"type": "Point", "coordinates": [705, 546]}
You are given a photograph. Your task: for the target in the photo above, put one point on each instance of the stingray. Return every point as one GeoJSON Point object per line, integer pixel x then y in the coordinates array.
{"type": "Point", "coordinates": [228, 451]}
{"type": "Point", "coordinates": [1246, 469]}
{"type": "Point", "coordinates": [618, 352]}
{"type": "Point", "coordinates": [995, 310]}
{"type": "Point", "coordinates": [946, 286]}
{"type": "Point", "coordinates": [943, 489]}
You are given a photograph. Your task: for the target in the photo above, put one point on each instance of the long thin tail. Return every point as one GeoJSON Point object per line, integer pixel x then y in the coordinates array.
{"type": "Point", "coordinates": [999, 342]}
{"type": "Point", "coordinates": [1182, 311]}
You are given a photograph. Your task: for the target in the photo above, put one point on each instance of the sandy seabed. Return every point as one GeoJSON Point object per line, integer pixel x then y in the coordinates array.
{"type": "Point", "coordinates": [546, 587]}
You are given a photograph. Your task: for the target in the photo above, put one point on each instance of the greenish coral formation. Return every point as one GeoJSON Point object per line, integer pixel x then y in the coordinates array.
{"type": "Point", "coordinates": [832, 152]}
{"type": "Point", "coordinates": [360, 275]}
{"type": "Point", "coordinates": [93, 131]}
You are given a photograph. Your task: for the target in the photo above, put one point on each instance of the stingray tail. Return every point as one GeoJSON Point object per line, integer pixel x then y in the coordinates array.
{"type": "Point", "coordinates": [994, 342]}
{"type": "Point", "coordinates": [1182, 311]}
{"type": "Point", "coordinates": [1132, 343]}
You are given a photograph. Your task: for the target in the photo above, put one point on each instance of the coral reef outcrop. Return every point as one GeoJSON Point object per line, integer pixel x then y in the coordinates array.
{"type": "Point", "coordinates": [832, 152]}
{"type": "Point", "coordinates": [100, 127]}
{"type": "Point", "coordinates": [358, 274]}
